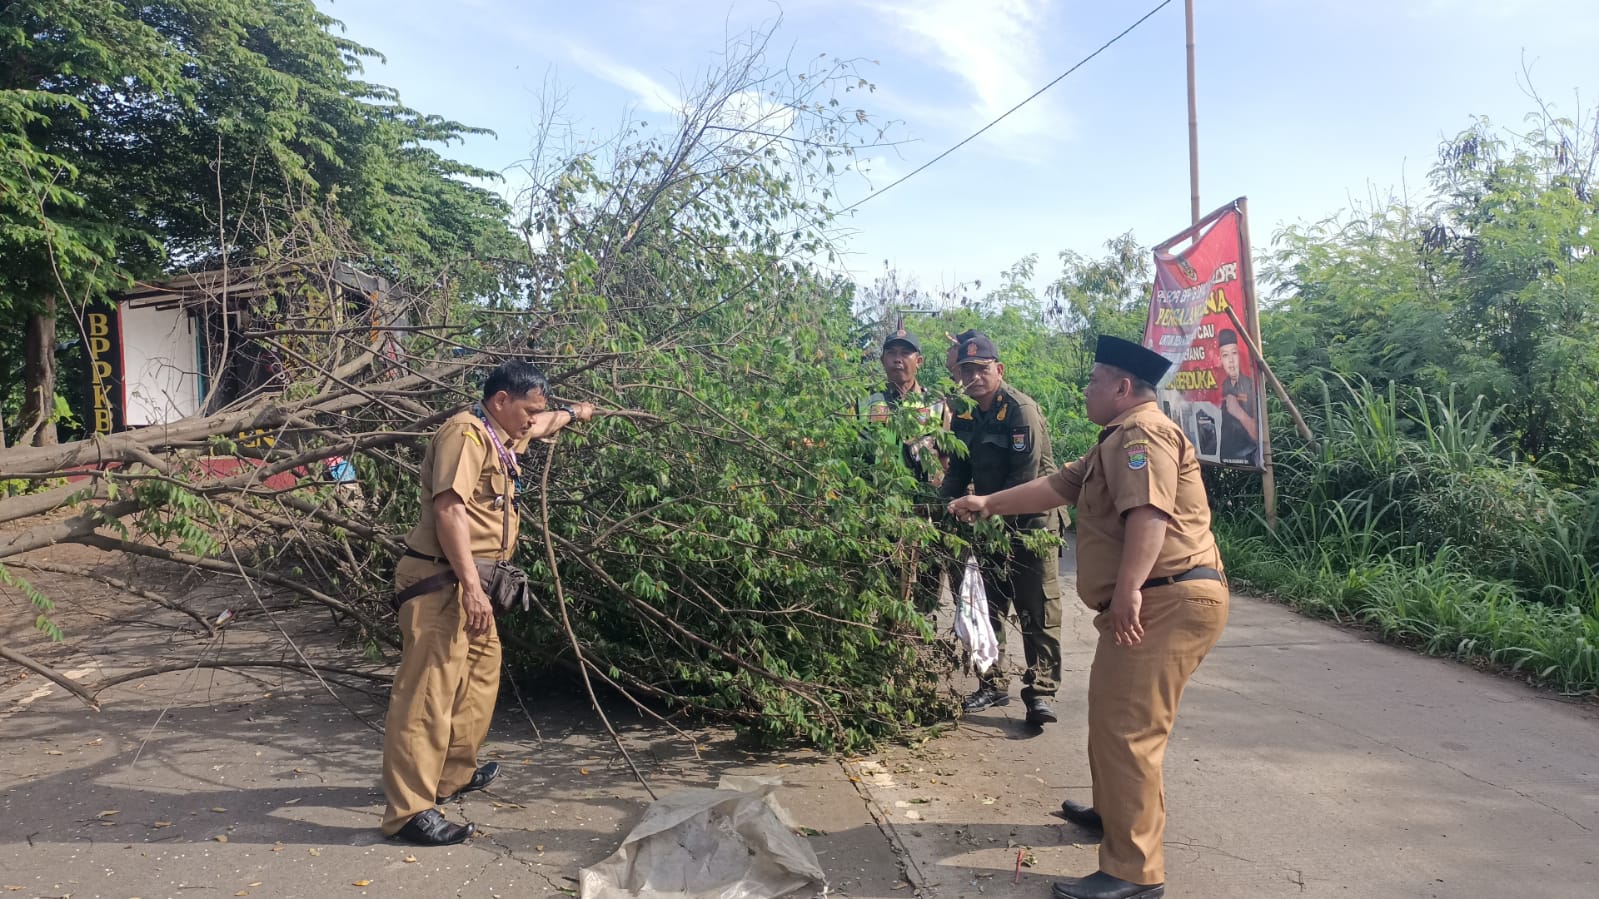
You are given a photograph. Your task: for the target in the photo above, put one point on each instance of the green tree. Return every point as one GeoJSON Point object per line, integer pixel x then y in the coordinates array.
{"type": "Point", "coordinates": [1516, 217]}
{"type": "Point", "coordinates": [1486, 289]}
{"type": "Point", "coordinates": [143, 135]}
{"type": "Point", "coordinates": [1109, 295]}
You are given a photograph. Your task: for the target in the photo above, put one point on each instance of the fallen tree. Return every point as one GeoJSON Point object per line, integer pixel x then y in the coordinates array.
{"type": "Point", "coordinates": [715, 544]}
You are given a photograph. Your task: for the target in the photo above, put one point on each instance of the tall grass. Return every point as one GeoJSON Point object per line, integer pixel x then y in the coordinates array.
{"type": "Point", "coordinates": [1409, 517]}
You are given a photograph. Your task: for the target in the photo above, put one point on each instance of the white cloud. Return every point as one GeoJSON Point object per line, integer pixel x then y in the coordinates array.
{"type": "Point", "coordinates": [754, 110]}
{"type": "Point", "coordinates": [879, 171]}
{"type": "Point", "coordinates": [650, 94]}
{"type": "Point", "coordinates": [996, 48]}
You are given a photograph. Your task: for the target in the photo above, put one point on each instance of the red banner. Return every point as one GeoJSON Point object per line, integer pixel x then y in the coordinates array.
{"type": "Point", "coordinates": [1214, 394]}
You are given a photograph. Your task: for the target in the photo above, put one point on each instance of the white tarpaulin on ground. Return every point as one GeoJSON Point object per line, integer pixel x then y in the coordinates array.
{"type": "Point", "coordinates": [733, 842]}
{"type": "Point", "coordinates": [971, 620]}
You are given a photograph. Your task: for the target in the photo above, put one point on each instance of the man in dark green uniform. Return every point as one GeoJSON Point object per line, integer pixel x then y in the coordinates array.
{"type": "Point", "coordinates": [902, 359]}
{"type": "Point", "coordinates": [1007, 443]}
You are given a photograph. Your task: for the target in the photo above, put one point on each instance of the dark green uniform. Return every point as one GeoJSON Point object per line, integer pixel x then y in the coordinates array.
{"type": "Point", "coordinates": [922, 459]}
{"type": "Point", "coordinates": [1006, 446]}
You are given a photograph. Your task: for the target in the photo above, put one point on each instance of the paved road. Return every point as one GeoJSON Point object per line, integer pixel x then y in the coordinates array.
{"type": "Point", "coordinates": [1308, 761]}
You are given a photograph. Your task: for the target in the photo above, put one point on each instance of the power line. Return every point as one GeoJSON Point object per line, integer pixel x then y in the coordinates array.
{"type": "Point", "coordinates": [974, 135]}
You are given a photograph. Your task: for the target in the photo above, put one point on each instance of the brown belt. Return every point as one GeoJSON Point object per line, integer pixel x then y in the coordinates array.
{"type": "Point", "coordinates": [445, 578]}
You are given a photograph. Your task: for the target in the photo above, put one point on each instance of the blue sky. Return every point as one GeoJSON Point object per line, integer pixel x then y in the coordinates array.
{"type": "Point", "coordinates": [1304, 105]}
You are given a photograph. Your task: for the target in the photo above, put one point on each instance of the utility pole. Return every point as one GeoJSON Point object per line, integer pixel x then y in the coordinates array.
{"type": "Point", "coordinates": [1193, 120]}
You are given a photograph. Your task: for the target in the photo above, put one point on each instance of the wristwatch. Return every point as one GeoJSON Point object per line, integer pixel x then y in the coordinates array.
{"type": "Point", "coordinates": [572, 413]}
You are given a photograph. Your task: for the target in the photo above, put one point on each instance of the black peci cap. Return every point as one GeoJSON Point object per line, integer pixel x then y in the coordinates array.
{"type": "Point", "coordinates": [1135, 359]}
{"type": "Point", "coordinates": [977, 348]}
{"type": "Point", "coordinates": [1226, 337]}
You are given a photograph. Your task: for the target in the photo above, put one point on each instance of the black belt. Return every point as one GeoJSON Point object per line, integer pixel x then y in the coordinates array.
{"type": "Point", "coordinates": [1192, 574]}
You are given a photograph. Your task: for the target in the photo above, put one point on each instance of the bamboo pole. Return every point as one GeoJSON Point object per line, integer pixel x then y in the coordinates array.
{"type": "Point", "coordinates": [1271, 378]}
{"type": "Point", "coordinates": [1193, 119]}
{"type": "Point", "coordinates": [1268, 478]}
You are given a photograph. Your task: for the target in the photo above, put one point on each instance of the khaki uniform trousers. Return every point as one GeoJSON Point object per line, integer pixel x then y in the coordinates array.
{"type": "Point", "coordinates": [1133, 692]}
{"type": "Point", "coordinates": [442, 700]}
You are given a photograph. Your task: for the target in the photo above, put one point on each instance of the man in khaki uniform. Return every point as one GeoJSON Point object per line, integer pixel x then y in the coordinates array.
{"type": "Point", "coordinates": [449, 675]}
{"type": "Point", "coordinates": [1148, 564]}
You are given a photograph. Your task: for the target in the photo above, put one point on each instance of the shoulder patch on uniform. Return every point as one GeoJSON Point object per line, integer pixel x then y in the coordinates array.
{"type": "Point", "coordinates": [1136, 460]}
{"type": "Point", "coordinates": [1021, 440]}
{"type": "Point", "coordinates": [1135, 441]}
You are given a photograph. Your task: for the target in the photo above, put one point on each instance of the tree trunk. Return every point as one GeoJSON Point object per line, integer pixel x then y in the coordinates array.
{"type": "Point", "coordinates": [37, 426]}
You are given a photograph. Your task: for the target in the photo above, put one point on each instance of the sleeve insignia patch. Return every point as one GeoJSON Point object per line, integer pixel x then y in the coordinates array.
{"type": "Point", "coordinates": [1019, 441]}
{"type": "Point", "coordinates": [1137, 460]}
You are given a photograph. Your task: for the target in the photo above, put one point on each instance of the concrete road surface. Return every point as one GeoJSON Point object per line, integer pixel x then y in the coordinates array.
{"type": "Point", "coordinates": [1308, 762]}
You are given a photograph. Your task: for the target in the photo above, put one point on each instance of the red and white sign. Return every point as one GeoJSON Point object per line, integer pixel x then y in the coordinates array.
{"type": "Point", "coordinates": [1214, 392]}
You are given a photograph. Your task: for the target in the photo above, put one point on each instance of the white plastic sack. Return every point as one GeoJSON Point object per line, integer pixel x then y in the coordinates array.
{"type": "Point", "coordinates": [733, 842]}
{"type": "Point", "coordinates": [971, 620]}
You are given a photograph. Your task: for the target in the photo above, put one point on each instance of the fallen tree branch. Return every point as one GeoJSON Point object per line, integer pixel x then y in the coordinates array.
{"type": "Point", "coordinates": [107, 683]}
{"type": "Point", "coordinates": [560, 601]}
{"type": "Point", "coordinates": [124, 586]}
{"type": "Point", "coordinates": [43, 503]}
{"type": "Point", "coordinates": [50, 674]}
{"type": "Point", "coordinates": [182, 558]}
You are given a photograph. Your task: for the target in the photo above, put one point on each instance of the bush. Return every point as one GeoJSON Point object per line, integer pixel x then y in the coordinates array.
{"type": "Point", "coordinates": [1409, 523]}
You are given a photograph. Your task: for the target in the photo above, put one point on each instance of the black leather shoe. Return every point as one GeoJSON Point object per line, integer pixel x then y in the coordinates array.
{"type": "Point", "coordinates": [1081, 815]}
{"type": "Point", "coordinates": [431, 829]}
{"type": "Point", "coordinates": [984, 698]}
{"type": "Point", "coordinates": [1100, 885]}
{"type": "Point", "coordinates": [481, 778]}
{"type": "Point", "coordinates": [1039, 713]}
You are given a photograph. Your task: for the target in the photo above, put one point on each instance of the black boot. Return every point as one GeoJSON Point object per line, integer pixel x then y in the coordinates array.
{"type": "Point", "coordinates": [985, 697]}
{"type": "Point", "coordinates": [1039, 713]}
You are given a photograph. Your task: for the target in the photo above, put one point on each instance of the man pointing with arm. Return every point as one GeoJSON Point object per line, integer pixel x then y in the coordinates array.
{"type": "Point", "coordinates": [1148, 564]}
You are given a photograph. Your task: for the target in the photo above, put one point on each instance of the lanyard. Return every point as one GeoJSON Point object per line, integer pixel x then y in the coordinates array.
{"type": "Point", "coordinates": [506, 457]}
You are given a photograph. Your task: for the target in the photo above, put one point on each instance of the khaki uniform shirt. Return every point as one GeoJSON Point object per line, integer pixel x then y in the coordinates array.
{"type": "Point", "coordinates": [462, 459]}
{"type": "Point", "coordinates": [1142, 459]}
{"type": "Point", "coordinates": [1005, 446]}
